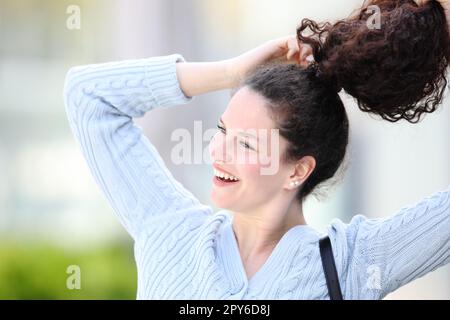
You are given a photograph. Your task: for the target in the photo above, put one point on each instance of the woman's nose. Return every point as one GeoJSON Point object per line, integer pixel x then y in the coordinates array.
{"type": "Point", "coordinates": [218, 148]}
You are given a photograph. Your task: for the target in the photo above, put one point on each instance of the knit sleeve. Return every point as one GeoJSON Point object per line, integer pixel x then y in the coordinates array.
{"type": "Point", "coordinates": [377, 256]}
{"type": "Point", "coordinates": [101, 100]}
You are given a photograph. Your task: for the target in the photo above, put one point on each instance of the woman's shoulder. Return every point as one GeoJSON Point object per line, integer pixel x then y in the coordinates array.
{"type": "Point", "coordinates": [201, 218]}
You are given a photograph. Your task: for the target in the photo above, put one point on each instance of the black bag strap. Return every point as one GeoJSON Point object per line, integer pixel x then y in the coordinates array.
{"type": "Point", "coordinates": [329, 268]}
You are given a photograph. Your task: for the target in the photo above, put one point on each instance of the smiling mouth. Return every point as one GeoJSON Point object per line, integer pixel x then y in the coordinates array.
{"type": "Point", "coordinates": [222, 176]}
{"type": "Point", "coordinates": [226, 180]}
{"type": "Point", "coordinates": [222, 182]}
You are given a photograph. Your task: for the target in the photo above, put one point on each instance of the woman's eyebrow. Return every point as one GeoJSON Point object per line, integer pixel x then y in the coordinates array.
{"type": "Point", "coordinates": [243, 133]}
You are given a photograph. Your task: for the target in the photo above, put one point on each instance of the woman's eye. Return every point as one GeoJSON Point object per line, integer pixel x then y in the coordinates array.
{"type": "Point", "coordinates": [246, 145]}
{"type": "Point", "coordinates": [243, 143]}
{"type": "Point", "coordinates": [221, 129]}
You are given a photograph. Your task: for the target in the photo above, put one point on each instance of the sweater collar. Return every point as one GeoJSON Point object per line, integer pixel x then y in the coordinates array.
{"type": "Point", "coordinates": [283, 253]}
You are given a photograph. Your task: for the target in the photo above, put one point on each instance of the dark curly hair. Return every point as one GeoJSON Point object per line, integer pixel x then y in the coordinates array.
{"type": "Point", "coordinates": [396, 72]}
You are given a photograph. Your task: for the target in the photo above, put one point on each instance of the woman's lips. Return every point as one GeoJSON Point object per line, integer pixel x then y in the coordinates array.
{"type": "Point", "coordinates": [222, 170]}
{"type": "Point", "coordinates": [221, 183]}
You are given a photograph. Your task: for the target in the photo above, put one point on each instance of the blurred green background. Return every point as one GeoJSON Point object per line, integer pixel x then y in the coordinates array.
{"type": "Point", "coordinates": [38, 271]}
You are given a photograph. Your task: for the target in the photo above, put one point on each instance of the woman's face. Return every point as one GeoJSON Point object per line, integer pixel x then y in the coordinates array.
{"type": "Point", "coordinates": [248, 147]}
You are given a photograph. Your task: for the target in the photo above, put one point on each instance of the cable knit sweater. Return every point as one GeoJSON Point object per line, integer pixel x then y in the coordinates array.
{"type": "Point", "coordinates": [184, 250]}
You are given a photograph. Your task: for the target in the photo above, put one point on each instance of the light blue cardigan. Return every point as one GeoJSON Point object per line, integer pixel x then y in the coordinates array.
{"type": "Point", "coordinates": [184, 250]}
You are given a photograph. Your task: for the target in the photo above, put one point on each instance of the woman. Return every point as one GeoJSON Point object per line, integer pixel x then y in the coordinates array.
{"type": "Point", "coordinates": [259, 246]}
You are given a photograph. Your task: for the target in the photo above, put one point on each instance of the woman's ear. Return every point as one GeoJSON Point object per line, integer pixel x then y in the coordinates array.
{"type": "Point", "coordinates": [305, 167]}
{"type": "Point", "coordinates": [302, 170]}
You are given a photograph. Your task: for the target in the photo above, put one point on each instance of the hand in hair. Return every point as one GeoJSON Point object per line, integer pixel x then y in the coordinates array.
{"type": "Point", "coordinates": [283, 50]}
{"type": "Point", "coordinates": [196, 78]}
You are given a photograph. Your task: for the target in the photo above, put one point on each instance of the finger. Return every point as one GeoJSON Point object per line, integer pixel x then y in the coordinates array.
{"type": "Point", "coordinates": [304, 53]}
{"type": "Point", "coordinates": [293, 48]}
{"type": "Point", "coordinates": [293, 43]}
{"type": "Point", "coordinates": [291, 54]}
{"type": "Point", "coordinates": [421, 2]}
{"type": "Point", "coordinates": [309, 58]}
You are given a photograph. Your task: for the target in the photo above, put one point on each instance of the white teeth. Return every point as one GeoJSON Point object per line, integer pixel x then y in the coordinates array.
{"type": "Point", "coordinates": [223, 175]}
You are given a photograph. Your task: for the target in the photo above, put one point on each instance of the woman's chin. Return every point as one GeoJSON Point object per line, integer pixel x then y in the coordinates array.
{"type": "Point", "coordinates": [220, 200]}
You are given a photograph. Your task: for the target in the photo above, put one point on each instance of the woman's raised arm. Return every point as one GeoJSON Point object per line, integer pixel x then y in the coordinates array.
{"type": "Point", "coordinates": [101, 100]}
{"type": "Point", "coordinates": [201, 77]}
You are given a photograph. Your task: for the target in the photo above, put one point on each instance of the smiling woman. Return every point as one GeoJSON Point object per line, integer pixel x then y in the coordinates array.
{"type": "Point", "coordinates": [259, 245]}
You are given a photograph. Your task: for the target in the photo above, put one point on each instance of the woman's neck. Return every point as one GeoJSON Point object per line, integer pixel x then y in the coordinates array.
{"type": "Point", "coordinates": [259, 231]}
